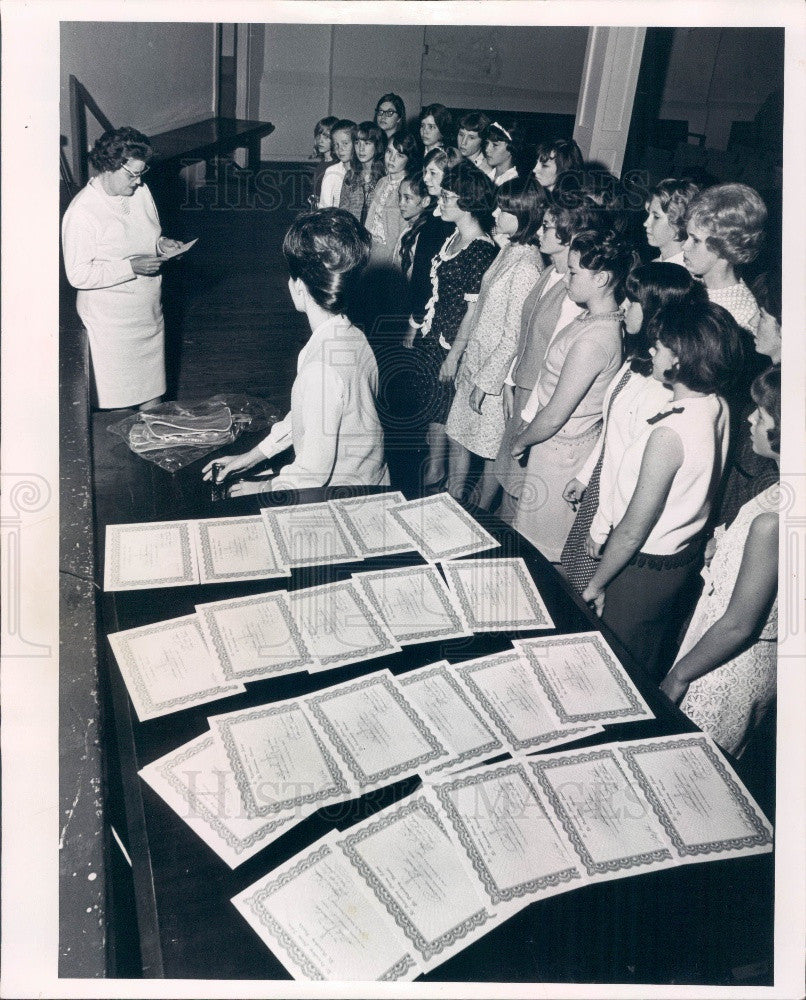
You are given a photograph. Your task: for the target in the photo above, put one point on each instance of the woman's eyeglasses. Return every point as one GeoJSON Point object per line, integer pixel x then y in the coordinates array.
{"type": "Point", "coordinates": [385, 113]}
{"type": "Point", "coordinates": [448, 196]}
{"type": "Point", "coordinates": [133, 174]}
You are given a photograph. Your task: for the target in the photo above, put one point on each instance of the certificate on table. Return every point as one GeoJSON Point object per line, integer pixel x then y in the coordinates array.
{"type": "Point", "coordinates": [279, 759]}
{"type": "Point", "coordinates": [503, 827]}
{"type": "Point", "coordinates": [404, 854]}
{"type": "Point", "coordinates": [415, 603]}
{"type": "Point", "coordinates": [377, 732]}
{"type": "Point", "coordinates": [255, 637]}
{"type": "Point", "coordinates": [610, 824]}
{"type": "Point", "coordinates": [372, 531]}
{"type": "Point", "coordinates": [706, 811]}
{"type": "Point", "coordinates": [505, 687]}
{"type": "Point", "coordinates": [158, 554]}
{"type": "Point", "coordinates": [324, 923]}
{"type": "Point", "coordinates": [453, 716]}
{"type": "Point", "coordinates": [340, 625]}
{"type": "Point", "coordinates": [236, 548]}
{"type": "Point", "coordinates": [441, 528]}
{"type": "Point", "coordinates": [497, 595]}
{"type": "Point", "coordinates": [196, 781]}
{"type": "Point", "coordinates": [583, 680]}
{"type": "Point", "coordinates": [309, 535]}
{"type": "Point", "coordinates": [168, 667]}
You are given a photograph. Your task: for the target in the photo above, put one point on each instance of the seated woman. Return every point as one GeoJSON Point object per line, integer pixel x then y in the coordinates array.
{"type": "Point", "coordinates": [475, 423]}
{"type": "Point", "coordinates": [390, 115]}
{"type": "Point", "coordinates": [665, 484]}
{"type": "Point", "coordinates": [724, 675]}
{"type": "Point", "coordinates": [436, 127]}
{"type": "Point", "coordinates": [384, 221]}
{"type": "Point", "coordinates": [725, 226]}
{"type": "Point", "coordinates": [501, 147]}
{"type": "Point", "coordinates": [342, 136]}
{"type": "Point", "coordinates": [333, 424]}
{"type": "Point", "coordinates": [631, 398]}
{"type": "Point", "coordinates": [467, 199]}
{"type": "Point", "coordinates": [365, 170]}
{"type": "Point", "coordinates": [562, 418]}
{"type": "Point", "coordinates": [557, 157]}
{"type": "Point", "coordinates": [470, 139]}
{"type": "Point", "coordinates": [665, 224]}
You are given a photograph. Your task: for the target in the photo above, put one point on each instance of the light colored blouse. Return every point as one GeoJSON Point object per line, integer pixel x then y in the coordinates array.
{"type": "Point", "coordinates": [331, 185]}
{"type": "Point", "coordinates": [333, 423]}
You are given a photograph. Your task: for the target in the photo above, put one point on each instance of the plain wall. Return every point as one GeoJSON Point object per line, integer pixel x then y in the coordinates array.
{"type": "Point", "coordinates": [153, 77]}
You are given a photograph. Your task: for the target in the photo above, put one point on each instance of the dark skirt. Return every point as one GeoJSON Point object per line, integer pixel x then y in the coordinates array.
{"type": "Point", "coordinates": [432, 398]}
{"type": "Point", "coordinates": [578, 565]}
{"type": "Point", "coordinates": [644, 605]}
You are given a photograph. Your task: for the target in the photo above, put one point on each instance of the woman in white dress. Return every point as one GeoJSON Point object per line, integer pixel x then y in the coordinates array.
{"type": "Point", "coordinates": [112, 242]}
{"type": "Point", "coordinates": [333, 424]}
{"type": "Point", "coordinates": [724, 676]}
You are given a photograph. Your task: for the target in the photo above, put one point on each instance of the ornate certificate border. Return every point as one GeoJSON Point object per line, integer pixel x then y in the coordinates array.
{"type": "Point", "coordinates": [542, 619]}
{"type": "Point", "coordinates": [484, 540]}
{"type": "Point", "coordinates": [189, 575]}
{"type": "Point", "coordinates": [342, 510]}
{"type": "Point", "coordinates": [316, 705]}
{"type": "Point", "coordinates": [210, 575]}
{"type": "Point", "coordinates": [272, 517]}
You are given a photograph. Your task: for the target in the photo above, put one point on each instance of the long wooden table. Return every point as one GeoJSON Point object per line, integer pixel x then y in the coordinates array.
{"type": "Point", "coordinates": [696, 924]}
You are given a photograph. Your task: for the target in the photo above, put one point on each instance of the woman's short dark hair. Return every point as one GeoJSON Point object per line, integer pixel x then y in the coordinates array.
{"type": "Point", "coordinates": [605, 250]}
{"type": "Point", "coordinates": [767, 291]}
{"type": "Point", "coordinates": [735, 215]}
{"type": "Point", "coordinates": [475, 189]}
{"type": "Point", "coordinates": [505, 132]}
{"type": "Point", "coordinates": [475, 121]}
{"type": "Point", "coordinates": [766, 393]}
{"type": "Point", "coordinates": [443, 119]}
{"type": "Point", "coordinates": [674, 197]}
{"type": "Point", "coordinates": [526, 200]}
{"type": "Point", "coordinates": [709, 345]}
{"type": "Point", "coordinates": [405, 143]}
{"type": "Point", "coordinates": [572, 217]}
{"type": "Point", "coordinates": [324, 125]}
{"type": "Point", "coordinates": [397, 102]}
{"type": "Point", "coordinates": [118, 145]}
{"type": "Point", "coordinates": [327, 249]}
{"type": "Point", "coordinates": [567, 154]}
{"type": "Point", "coordinates": [416, 182]}
{"type": "Point", "coordinates": [654, 286]}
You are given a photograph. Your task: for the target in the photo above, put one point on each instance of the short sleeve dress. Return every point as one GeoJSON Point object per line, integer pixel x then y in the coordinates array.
{"type": "Point", "coordinates": [455, 281]}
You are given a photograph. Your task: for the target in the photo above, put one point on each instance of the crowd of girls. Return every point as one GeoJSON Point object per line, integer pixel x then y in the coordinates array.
{"type": "Point", "coordinates": [599, 381]}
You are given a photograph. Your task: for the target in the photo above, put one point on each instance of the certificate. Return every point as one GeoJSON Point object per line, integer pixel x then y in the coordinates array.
{"type": "Point", "coordinates": [441, 528]}
{"type": "Point", "coordinates": [705, 810]}
{"type": "Point", "coordinates": [196, 782]}
{"type": "Point", "coordinates": [503, 826]}
{"type": "Point", "coordinates": [415, 603]}
{"type": "Point", "coordinates": [279, 759]}
{"type": "Point", "coordinates": [323, 923]}
{"type": "Point", "coordinates": [340, 625]}
{"type": "Point", "coordinates": [608, 821]}
{"type": "Point", "coordinates": [168, 667]}
{"type": "Point", "coordinates": [454, 718]}
{"type": "Point", "coordinates": [375, 729]}
{"type": "Point", "coordinates": [497, 595]}
{"type": "Point", "coordinates": [158, 554]}
{"type": "Point", "coordinates": [255, 637]}
{"type": "Point", "coordinates": [372, 531]}
{"type": "Point", "coordinates": [583, 680]}
{"type": "Point", "coordinates": [406, 857]}
{"type": "Point", "coordinates": [309, 535]}
{"type": "Point", "coordinates": [236, 548]}
{"type": "Point", "coordinates": [504, 685]}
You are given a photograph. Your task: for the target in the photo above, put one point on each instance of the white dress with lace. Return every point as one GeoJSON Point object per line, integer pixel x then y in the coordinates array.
{"type": "Point", "coordinates": [729, 702]}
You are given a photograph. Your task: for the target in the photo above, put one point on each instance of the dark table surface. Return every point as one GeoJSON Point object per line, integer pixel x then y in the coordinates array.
{"type": "Point", "coordinates": [696, 924]}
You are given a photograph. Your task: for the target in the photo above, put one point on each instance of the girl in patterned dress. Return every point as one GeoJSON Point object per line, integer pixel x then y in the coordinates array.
{"type": "Point", "coordinates": [476, 421]}
{"type": "Point", "coordinates": [724, 676]}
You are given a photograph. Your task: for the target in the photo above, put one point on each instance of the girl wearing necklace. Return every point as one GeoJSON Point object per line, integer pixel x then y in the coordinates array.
{"type": "Point", "coordinates": [562, 419]}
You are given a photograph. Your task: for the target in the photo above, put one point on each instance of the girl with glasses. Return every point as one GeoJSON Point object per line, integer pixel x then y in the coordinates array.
{"type": "Point", "coordinates": [390, 115]}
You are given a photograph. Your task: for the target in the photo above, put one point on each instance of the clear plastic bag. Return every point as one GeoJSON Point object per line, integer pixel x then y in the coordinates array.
{"type": "Point", "coordinates": [173, 435]}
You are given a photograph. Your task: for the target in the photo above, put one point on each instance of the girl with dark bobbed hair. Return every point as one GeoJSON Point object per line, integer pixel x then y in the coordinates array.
{"type": "Point", "coordinates": [390, 115]}
{"type": "Point", "coordinates": [365, 170]}
{"type": "Point", "coordinates": [436, 127]}
{"type": "Point", "coordinates": [562, 418]}
{"type": "Point", "coordinates": [333, 424]}
{"type": "Point", "coordinates": [502, 148]}
{"type": "Point", "coordinates": [555, 157]}
{"type": "Point", "coordinates": [630, 399]}
{"type": "Point", "coordinates": [666, 482]}
{"type": "Point", "coordinates": [112, 242]}
{"type": "Point", "coordinates": [467, 199]}
{"type": "Point", "coordinates": [724, 676]}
